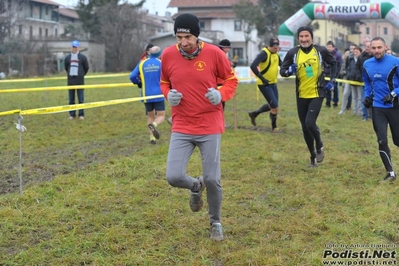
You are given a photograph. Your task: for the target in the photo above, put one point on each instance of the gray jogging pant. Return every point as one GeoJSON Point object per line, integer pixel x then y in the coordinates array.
{"type": "Point", "coordinates": [180, 150]}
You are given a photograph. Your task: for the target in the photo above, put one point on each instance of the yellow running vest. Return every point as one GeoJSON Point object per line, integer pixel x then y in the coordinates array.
{"type": "Point", "coordinates": [269, 68]}
{"type": "Point", "coordinates": [308, 72]}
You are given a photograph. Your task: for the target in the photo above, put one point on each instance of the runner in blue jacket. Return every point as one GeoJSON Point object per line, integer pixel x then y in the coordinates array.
{"type": "Point", "coordinates": [148, 73]}
{"type": "Point", "coordinates": [381, 90]}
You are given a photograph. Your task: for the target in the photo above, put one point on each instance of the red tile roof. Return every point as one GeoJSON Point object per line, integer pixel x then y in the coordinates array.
{"type": "Point", "coordinates": [46, 2]}
{"type": "Point", "coordinates": [67, 12]}
{"type": "Point", "coordinates": [205, 3]}
{"type": "Point", "coordinates": [215, 14]}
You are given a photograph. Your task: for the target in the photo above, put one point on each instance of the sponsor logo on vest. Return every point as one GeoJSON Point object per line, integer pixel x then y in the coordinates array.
{"type": "Point", "coordinates": [151, 68]}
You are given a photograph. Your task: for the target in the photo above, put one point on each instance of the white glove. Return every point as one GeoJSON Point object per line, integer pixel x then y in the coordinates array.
{"type": "Point", "coordinates": [174, 97]}
{"type": "Point", "coordinates": [214, 96]}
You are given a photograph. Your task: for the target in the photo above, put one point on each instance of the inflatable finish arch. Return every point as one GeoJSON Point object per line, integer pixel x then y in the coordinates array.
{"type": "Point", "coordinates": [311, 11]}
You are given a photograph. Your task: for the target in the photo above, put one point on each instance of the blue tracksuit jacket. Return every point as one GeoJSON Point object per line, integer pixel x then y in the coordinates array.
{"type": "Point", "coordinates": [381, 77]}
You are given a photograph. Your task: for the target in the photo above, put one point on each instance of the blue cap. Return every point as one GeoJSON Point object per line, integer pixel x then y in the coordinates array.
{"type": "Point", "coordinates": [75, 43]}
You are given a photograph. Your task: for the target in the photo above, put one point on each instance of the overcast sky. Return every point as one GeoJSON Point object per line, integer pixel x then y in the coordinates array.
{"type": "Point", "coordinates": [160, 5]}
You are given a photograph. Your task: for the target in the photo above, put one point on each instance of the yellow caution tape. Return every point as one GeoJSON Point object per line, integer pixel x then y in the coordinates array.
{"type": "Point", "coordinates": [356, 83]}
{"type": "Point", "coordinates": [59, 109]}
{"type": "Point", "coordinates": [95, 86]}
{"type": "Point", "coordinates": [64, 78]}
{"type": "Point", "coordinates": [11, 112]}
{"type": "Point", "coordinates": [64, 108]}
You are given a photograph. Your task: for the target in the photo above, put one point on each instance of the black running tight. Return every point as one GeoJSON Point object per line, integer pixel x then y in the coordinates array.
{"type": "Point", "coordinates": [382, 117]}
{"type": "Point", "coordinates": [308, 111]}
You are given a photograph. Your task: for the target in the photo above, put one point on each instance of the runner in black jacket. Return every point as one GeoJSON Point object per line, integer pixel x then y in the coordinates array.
{"type": "Point", "coordinates": [306, 62]}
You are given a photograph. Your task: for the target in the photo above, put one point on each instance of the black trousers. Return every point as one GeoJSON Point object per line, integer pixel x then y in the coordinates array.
{"type": "Point", "coordinates": [382, 118]}
{"type": "Point", "coordinates": [308, 111]}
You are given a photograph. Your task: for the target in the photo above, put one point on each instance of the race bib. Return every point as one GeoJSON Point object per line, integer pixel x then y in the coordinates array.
{"type": "Point", "coordinates": [309, 71]}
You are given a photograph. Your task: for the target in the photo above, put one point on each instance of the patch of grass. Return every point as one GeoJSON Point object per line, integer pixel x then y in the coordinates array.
{"type": "Point", "coordinates": [95, 191]}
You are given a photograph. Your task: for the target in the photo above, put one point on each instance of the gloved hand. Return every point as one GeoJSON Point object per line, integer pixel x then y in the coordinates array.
{"type": "Point", "coordinates": [368, 102]}
{"type": "Point", "coordinates": [265, 82]}
{"type": "Point", "coordinates": [174, 97]}
{"type": "Point", "coordinates": [388, 98]}
{"type": "Point", "coordinates": [292, 69]}
{"type": "Point", "coordinates": [329, 86]}
{"type": "Point", "coordinates": [214, 96]}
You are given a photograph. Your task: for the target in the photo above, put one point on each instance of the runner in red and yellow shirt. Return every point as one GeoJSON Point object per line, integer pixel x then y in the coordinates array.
{"type": "Point", "coordinates": [190, 70]}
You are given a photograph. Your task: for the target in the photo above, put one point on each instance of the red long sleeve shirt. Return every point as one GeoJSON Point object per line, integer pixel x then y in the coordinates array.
{"type": "Point", "coordinates": [195, 115]}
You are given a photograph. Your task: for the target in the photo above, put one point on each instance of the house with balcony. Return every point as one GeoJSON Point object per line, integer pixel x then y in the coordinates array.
{"type": "Point", "coordinates": [156, 24]}
{"type": "Point", "coordinates": [218, 21]}
{"type": "Point", "coordinates": [39, 19]}
{"type": "Point", "coordinates": [49, 27]}
{"type": "Point", "coordinates": [342, 33]}
{"type": "Point", "coordinates": [381, 28]}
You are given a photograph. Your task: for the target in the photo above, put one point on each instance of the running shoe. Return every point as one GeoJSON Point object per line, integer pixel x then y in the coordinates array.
{"type": "Point", "coordinates": [313, 162]}
{"type": "Point", "coordinates": [388, 178]}
{"type": "Point", "coordinates": [196, 201]}
{"type": "Point", "coordinates": [154, 130]}
{"type": "Point", "coordinates": [216, 232]}
{"type": "Point", "coordinates": [320, 155]}
{"type": "Point", "coordinates": [253, 117]}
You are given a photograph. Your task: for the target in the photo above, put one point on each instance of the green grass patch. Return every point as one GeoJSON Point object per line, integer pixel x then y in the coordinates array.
{"type": "Point", "coordinates": [94, 191]}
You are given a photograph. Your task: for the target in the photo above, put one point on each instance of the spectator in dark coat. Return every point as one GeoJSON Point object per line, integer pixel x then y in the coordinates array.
{"type": "Point", "coordinates": [338, 57]}
{"type": "Point", "coordinates": [346, 92]}
{"type": "Point", "coordinates": [76, 66]}
{"type": "Point", "coordinates": [354, 73]}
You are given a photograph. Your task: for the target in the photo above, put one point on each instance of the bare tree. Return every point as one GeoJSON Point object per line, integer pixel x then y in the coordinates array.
{"type": "Point", "coordinates": [8, 17]}
{"type": "Point", "coordinates": [249, 15]}
{"type": "Point", "coordinates": [121, 32]}
{"type": "Point", "coordinates": [25, 58]}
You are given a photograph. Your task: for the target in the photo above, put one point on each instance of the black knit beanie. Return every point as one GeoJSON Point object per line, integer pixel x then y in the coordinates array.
{"type": "Point", "coordinates": [150, 45]}
{"type": "Point", "coordinates": [307, 28]}
{"type": "Point", "coordinates": [187, 23]}
{"type": "Point", "coordinates": [224, 43]}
